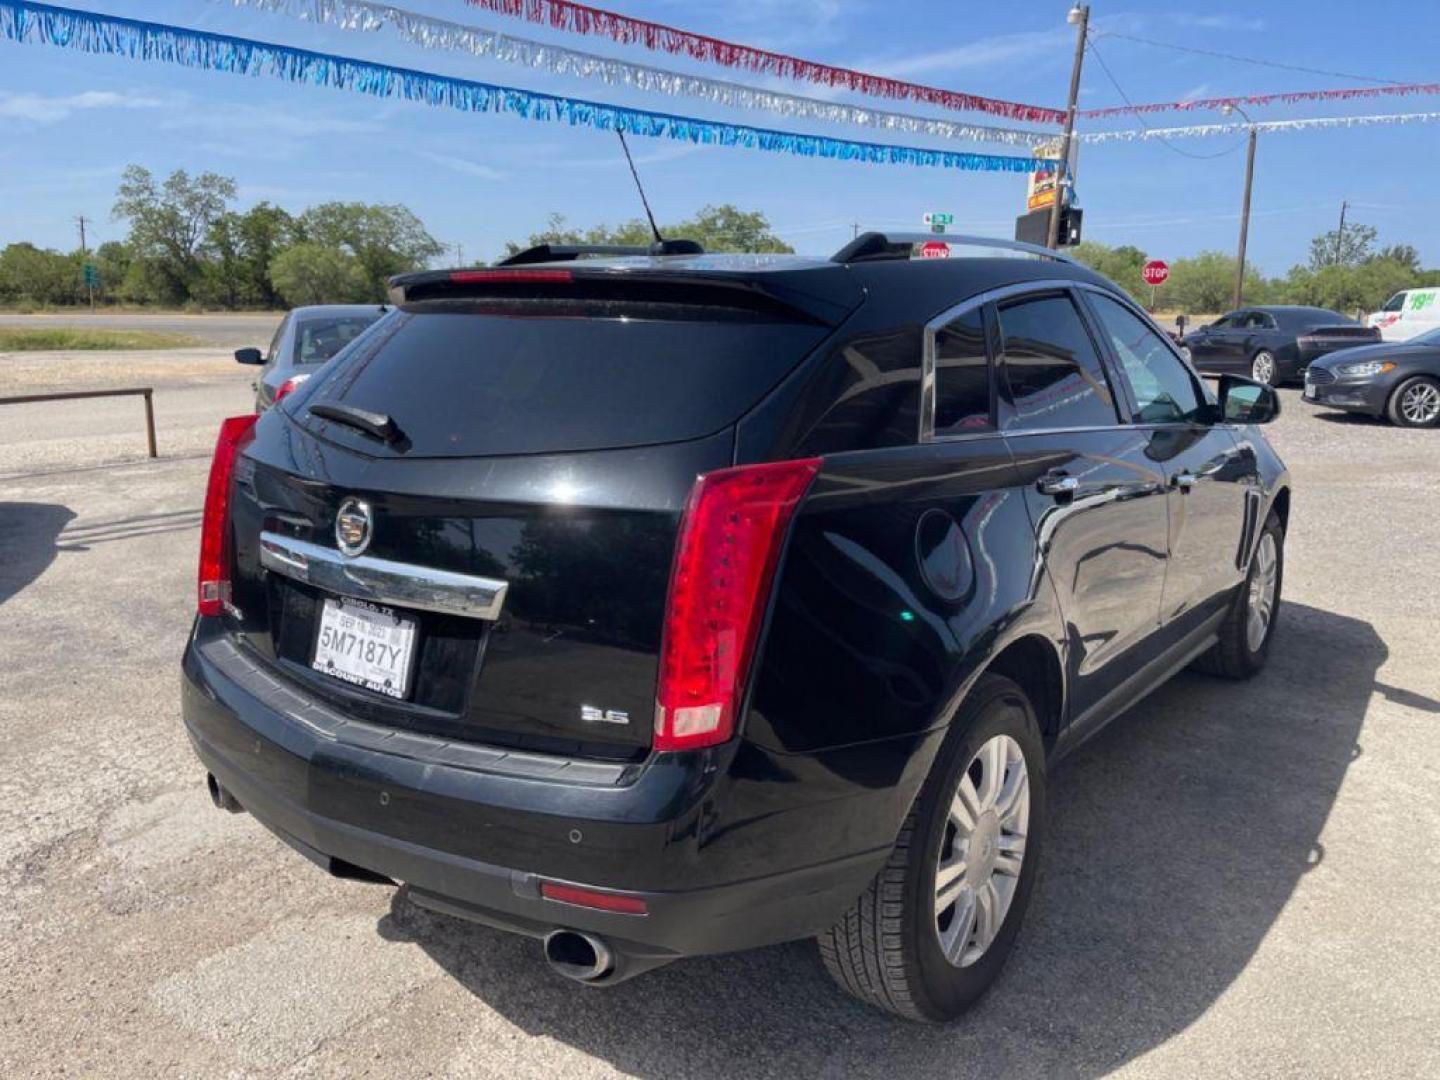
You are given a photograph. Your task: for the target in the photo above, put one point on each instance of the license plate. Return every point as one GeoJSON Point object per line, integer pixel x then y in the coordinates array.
{"type": "Point", "coordinates": [1309, 391]}
{"type": "Point", "coordinates": [366, 645]}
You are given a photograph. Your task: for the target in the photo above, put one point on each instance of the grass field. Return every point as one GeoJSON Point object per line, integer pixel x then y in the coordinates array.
{"type": "Point", "coordinates": [60, 338]}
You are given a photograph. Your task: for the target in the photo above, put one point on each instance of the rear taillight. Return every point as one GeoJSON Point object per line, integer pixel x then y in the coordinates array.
{"type": "Point", "coordinates": [214, 527]}
{"type": "Point", "coordinates": [725, 557]}
{"type": "Point", "coordinates": [288, 387]}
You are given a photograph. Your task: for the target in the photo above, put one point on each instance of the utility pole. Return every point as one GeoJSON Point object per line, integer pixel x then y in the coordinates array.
{"type": "Point", "coordinates": [1079, 17]}
{"type": "Point", "coordinates": [856, 226]}
{"type": "Point", "coordinates": [1245, 205]}
{"type": "Point", "coordinates": [84, 259]}
{"type": "Point", "coordinates": [1340, 234]}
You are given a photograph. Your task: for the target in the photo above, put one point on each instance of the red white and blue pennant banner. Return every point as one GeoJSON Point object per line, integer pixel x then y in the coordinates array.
{"type": "Point", "coordinates": [658, 37]}
{"type": "Point", "coordinates": [433, 33]}
{"type": "Point", "coordinates": [1313, 123]}
{"type": "Point", "coordinates": [1288, 97]}
{"type": "Point", "coordinates": [90, 32]}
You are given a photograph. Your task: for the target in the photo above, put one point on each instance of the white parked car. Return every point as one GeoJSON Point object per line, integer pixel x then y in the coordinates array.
{"type": "Point", "coordinates": [1407, 314]}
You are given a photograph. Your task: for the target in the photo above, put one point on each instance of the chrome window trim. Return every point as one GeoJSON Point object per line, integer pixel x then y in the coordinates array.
{"type": "Point", "coordinates": [382, 581]}
{"type": "Point", "coordinates": [928, 357]}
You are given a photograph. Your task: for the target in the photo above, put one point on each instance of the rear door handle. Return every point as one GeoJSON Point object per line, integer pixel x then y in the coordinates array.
{"type": "Point", "coordinates": [1183, 481]}
{"type": "Point", "coordinates": [1057, 485]}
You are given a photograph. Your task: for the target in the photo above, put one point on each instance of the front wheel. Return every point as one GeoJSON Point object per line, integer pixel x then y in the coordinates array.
{"type": "Point", "coordinates": [1416, 403]}
{"type": "Point", "coordinates": [1262, 367]}
{"type": "Point", "coordinates": [930, 934]}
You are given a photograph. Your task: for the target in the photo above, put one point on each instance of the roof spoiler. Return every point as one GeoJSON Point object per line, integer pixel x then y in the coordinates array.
{"type": "Point", "coordinates": [542, 253]}
{"type": "Point", "coordinates": [869, 246]}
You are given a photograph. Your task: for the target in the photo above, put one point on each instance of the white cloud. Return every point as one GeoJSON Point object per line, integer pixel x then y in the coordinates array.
{"type": "Point", "coordinates": [463, 165]}
{"type": "Point", "coordinates": [43, 109]}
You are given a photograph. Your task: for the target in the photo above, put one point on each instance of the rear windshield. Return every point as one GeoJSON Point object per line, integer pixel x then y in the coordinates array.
{"type": "Point", "coordinates": [474, 378]}
{"type": "Point", "coordinates": [318, 339]}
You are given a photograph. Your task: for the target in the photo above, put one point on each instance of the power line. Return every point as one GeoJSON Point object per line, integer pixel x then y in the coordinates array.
{"type": "Point", "coordinates": [1251, 60]}
{"type": "Point", "coordinates": [1090, 43]}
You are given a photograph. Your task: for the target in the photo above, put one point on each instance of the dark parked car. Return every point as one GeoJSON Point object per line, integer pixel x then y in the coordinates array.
{"type": "Point", "coordinates": [1273, 345]}
{"type": "Point", "coordinates": [1399, 380]}
{"type": "Point", "coordinates": [305, 339]}
{"type": "Point", "coordinates": [663, 606]}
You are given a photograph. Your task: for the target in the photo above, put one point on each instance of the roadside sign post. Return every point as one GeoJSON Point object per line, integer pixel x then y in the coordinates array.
{"type": "Point", "coordinates": [1155, 273]}
{"type": "Point", "coordinates": [92, 280]}
{"type": "Point", "coordinates": [937, 220]}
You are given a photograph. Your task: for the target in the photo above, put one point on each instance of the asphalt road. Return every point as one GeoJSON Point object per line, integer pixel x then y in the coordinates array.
{"type": "Point", "coordinates": [1242, 878]}
{"type": "Point", "coordinates": [232, 330]}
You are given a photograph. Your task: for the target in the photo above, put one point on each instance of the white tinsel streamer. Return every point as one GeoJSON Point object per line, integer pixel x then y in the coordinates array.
{"type": "Point", "coordinates": [433, 33]}
{"type": "Point", "coordinates": [1237, 128]}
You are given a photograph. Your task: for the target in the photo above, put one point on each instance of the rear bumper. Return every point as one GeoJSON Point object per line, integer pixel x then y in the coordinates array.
{"type": "Point", "coordinates": [478, 842]}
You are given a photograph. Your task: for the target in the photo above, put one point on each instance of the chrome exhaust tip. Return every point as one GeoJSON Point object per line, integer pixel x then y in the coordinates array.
{"type": "Point", "coordinates": [581, 957]}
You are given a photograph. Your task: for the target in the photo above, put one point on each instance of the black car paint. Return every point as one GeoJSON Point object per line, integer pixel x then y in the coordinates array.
{"type": "Point", "coordinates": [1370, 394]}
{"type": "Point", "coordinates": [1290, 336]}
{"type": "Point", "coordinates": [910, 568]}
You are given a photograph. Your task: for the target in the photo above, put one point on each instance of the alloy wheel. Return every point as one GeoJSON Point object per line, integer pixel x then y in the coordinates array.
{"type": "Point", "coordinates": [1260, 608]}
{"type": "Point", "coordinates": [1262, 368]}
{"type": "Point", "coordinates": [978, 868]}
{"type": "Point", "coordinates": [1420, 403]}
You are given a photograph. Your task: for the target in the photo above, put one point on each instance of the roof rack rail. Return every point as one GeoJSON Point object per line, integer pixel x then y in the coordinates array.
{"type": "Point", "coordinates": [899, 245]}
{"type": "Point", "coordinates": [568, 252]}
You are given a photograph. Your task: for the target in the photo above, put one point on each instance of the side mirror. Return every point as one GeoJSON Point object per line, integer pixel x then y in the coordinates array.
{"type": "Point", "coordinates": [1244, 401]}
{"type": "Point", "coordinates": [249, 356]}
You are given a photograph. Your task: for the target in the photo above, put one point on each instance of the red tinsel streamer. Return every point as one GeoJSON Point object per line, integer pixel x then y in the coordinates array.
{"type": "Point", "coordinates": [1287, 98]}
{"type": "Point", "coordinates": [582, 19]}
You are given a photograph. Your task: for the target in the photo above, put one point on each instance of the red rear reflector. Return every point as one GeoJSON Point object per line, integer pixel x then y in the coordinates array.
{"type": "Point", "coordinates": [725, 557]}
{"type": "Point", "coordinates": [483, 277]}
{"type": "Point", "coordinates": [214, 526]}
{"type": "Point", "coordinates": [601, 901]}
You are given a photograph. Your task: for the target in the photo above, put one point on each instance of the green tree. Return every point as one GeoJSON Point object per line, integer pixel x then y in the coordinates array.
{"type": "Point", "coordinates": [112, 260]}
{"type": "Point", "coordinates": [1205, 283]}
{"type": "Point", "coordinates": [313, 273]}
{"type": "Point", "coordinates": [1121, 265]}
{"type": "Point", "coordinates": [239, 249]}
{"type": "Point", "coordinates": [29, 274]}
{"type": "Point", "coordinates": [383, 240]}
{"type": "Point", "coordinates": [169, 223]}
{"type": "Point", "coordinates": [716, 228]}
{"type": "Point", "coordinates": [1331, 249]}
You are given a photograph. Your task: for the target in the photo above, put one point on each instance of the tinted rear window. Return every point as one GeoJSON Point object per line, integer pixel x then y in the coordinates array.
{"type": "Point", "coordinates": [466, 378]}
{"type": "Point", "coordinates": [317, 340]}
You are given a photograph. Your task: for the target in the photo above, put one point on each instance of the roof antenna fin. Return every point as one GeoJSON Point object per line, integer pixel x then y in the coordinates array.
{"type": "Point", "coordinates": [659, 240]}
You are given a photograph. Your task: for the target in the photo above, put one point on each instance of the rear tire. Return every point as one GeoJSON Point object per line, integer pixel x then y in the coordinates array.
{"type": "Point", "coordinates": [1263, 369]}
{"type": "Point", "coordinates": [931, 933]}
{"type": "Point", "coordinates": [1244, 644]}
{"type": "Point", "coordinates": [1415, 403]}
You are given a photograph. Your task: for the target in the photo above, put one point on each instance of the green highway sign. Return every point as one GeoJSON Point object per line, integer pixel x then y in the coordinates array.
{"type": "Point", "coordinates": [92, 275]}
{"type": "Point", "coordinates": [936, 217]}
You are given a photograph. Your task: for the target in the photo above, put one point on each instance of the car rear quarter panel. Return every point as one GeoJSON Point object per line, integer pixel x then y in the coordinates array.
{"type": "Point", "coordinates": [906, 570]}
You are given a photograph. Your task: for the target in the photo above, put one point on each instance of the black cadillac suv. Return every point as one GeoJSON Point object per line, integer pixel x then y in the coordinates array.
{"type": "Point", "coordinates": [671, 604]}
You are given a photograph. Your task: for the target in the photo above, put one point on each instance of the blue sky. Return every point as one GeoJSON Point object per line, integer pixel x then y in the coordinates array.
{"type": "Point", "coordinates": [70, 123]}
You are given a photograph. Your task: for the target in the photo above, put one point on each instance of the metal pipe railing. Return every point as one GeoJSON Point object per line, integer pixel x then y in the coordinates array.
{"type": "Point", "coordinates": [147, 392]}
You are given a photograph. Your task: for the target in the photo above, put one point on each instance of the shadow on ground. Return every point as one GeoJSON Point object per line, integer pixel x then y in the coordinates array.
{"type": "Point", "coordinates": [1177, 838]}
{"type": "Point", "coordinates": [28, 533]}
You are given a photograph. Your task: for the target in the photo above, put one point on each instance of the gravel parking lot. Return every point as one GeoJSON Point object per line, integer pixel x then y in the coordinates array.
{"type": "Point", "coordinates": [1241, 878]}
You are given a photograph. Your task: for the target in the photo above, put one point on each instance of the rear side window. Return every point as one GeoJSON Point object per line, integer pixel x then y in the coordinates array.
{"type": "Point", "coordinates": [470, 378]}
{"type": "Point", "coordinates": [873, 386]}
{"type": "Point", "coordinates": [1051, 367]}
{"type": "Point", "coordinates": [962, 376]}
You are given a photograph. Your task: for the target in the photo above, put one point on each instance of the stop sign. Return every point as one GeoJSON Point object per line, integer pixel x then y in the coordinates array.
{"type": "Point", "coordinates": [934, 249]}
{"type": "Point", "coordinates": [1155, 272]}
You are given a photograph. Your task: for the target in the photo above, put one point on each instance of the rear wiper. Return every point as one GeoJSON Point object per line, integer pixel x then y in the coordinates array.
{"type": "Point", "coordinates": [371, 423]}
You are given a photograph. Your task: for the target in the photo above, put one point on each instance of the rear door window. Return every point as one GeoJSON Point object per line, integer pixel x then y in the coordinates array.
{"type": "Point", "coordinates": [317, 340]}
{"type": "Point", "coordinates": [1052, 368]}
{"type": "Point", "coordinates": [462, 378]}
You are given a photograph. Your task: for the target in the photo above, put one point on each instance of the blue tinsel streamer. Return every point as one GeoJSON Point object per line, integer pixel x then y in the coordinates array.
{"type": "Point", "coordinates": [89, 32]}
